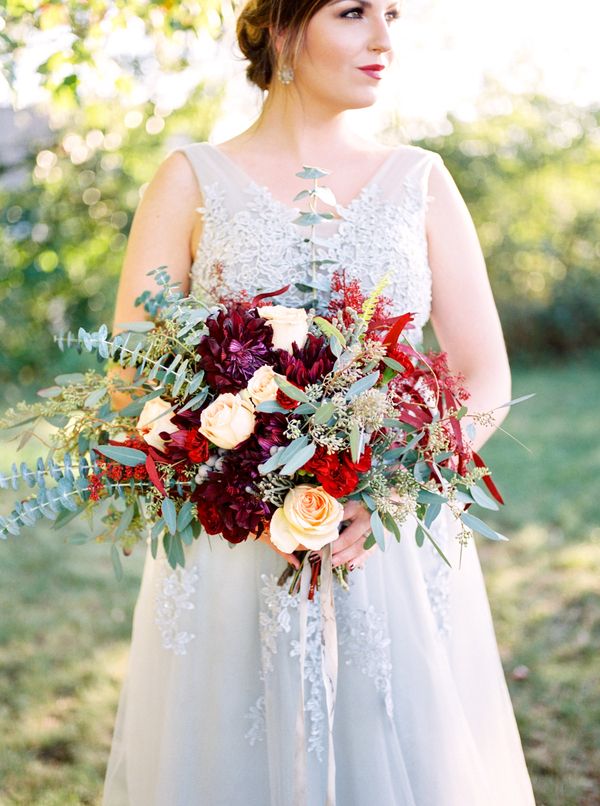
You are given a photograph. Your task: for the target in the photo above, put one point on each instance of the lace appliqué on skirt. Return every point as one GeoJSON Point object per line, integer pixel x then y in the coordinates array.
{"type": "Point", "coordinates": [175, 590]}
{"type": "Point", "coordinates": [362, 639]}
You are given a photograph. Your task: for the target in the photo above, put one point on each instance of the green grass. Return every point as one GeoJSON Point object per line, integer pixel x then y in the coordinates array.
{"type": "Point", "coordinates": [66, 621]}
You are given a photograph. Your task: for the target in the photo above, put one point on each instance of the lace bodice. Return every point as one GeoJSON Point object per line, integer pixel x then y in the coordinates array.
{"type": "Point", "coordinates": [250, 242]}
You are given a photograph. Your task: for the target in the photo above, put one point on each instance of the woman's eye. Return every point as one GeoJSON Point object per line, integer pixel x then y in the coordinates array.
{"type": "Point", "coordinates": [346, 14]}
{"type": "Point", "coordinates": [391, 15]}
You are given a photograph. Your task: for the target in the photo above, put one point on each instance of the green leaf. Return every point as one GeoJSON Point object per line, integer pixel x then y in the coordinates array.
{"type": "Point", "coordinates": [419, 535]}
{"type": "Point", "coordinates": [433, 542]}
{"type": "Point", "coordinates": [298, 460]}
{"type": "Point", "coordinates": [370, 541]}
{"type": "Point", "coordinates": [362, 385]}
{"type": "Point", "coordinates": [433, 510]}
{"type": "Point", "coordinates": [482, 498]}
{"type": "Point", "coordinates": [130, 457]}
{"type": "Point", "coordinates": [378, 529]}
{"type": "Point", "coordinates": [429, 497]}
{"type": "Point", "coordinates": [312, 172]}
{"type": "Point", "coordinates": [116, 562]}
{"type": "Point", "coordinates": [185, 515]}
{"type": "Point", "coordinates": [126, 519]}
{"type": "Point", "coordinates": [169, 513]}
{"type": "Point", "coordinates": [290, 390]}
{"type": "Point", "coordinates": [355, 441]}
{"type": "Point", "coordinates": [302, 195]}
{"type": "Point", "coordinates": [393, 364]}
{"type": "Point", "coordinates": [270, 407]}
{"type": "Point", "coordinates": [391, 525]}
{"type": "Point", "coordinates": [94, 398]}
{"type": "Point", "coordinates": [70, 378]}
{"type": "Point", "coordinates": [329, 330]}
{"type": "Point", "coordinates": [421, 472]}
{"type": "Point", "coordinates": [479, 526]}
{"type": "Point", "coordinates": [324, 413]}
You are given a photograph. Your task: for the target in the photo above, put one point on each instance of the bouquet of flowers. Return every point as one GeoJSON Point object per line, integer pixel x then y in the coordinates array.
{"type": "Point", "coordinates": [249, 417]}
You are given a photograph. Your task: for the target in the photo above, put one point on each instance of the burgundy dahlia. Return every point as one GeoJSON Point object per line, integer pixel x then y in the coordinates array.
{"type": "Point", "coordinates": [308, 364]}
{"type": "Point", "coordinates": [238, 342]}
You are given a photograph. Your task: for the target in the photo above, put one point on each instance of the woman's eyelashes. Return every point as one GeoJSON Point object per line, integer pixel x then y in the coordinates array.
{"type": "Point", "coordinates": [392, 15]}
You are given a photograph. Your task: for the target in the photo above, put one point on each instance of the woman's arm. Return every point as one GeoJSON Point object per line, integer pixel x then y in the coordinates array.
{"type": "Point", "coordinates": [464, 315]}
{"type": "Point", "coordinates": [161, 234]}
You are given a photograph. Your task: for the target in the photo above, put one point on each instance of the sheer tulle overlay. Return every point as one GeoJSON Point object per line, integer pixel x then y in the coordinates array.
{"type": "Point", "coordinates": [208, 707]}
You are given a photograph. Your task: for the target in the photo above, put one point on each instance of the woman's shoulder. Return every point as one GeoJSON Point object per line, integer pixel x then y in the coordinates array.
{"type": "Point", "coordinates": [416, 154]}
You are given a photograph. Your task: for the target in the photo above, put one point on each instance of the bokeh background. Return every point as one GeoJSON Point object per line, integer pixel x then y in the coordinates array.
{"type": "Point", "coordinates": [92, 97]}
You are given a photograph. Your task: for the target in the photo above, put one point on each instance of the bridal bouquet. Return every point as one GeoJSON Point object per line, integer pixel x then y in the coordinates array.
{"type": "Point", "coordinates": [252, 417]}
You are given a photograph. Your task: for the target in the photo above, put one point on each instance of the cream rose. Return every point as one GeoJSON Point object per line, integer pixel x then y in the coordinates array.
{"type": "Point", "coordinates": [228, 420]}
{"type": "Point", "coordinates": [153, 420]}
{"type": "Point", "coordinates": [309, 516]}
{"type": "Point", "coordinates": [261, 386]}
{"type": "Point", "coordinates": [289, 324]}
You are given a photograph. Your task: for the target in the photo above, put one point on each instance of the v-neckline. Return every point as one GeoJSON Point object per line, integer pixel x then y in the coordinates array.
{"type": "Point", "coordinates": [250, 181]}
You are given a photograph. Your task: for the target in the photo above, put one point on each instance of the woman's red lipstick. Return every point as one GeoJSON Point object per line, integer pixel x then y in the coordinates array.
{"type": "Point", "coordinates": [372, 70]}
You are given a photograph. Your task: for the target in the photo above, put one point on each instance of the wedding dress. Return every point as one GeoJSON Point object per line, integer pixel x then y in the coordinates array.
{"type": "Point", "coordinates": [207, 712]}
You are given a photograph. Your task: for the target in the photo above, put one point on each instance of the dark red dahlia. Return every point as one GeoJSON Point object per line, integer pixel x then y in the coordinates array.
{"type": "Point", "coordinates": [308, 364]}
{"type": "Point", "coordinates": [238, 342]}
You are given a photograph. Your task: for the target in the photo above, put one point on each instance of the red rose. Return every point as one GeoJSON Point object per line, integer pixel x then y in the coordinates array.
{"type": "Point", "coordinates": [363, 464]}
{"type": "Point", "coordinates": [210, 518]}
{"type": "Point", "coordinates": [196, 446]}
{"type": "Point", "coordinates": [285, 401]}
{"type": "Point", "coordinates": [342, 482]}
{"type": "Point", "coordinates": [322, 464]}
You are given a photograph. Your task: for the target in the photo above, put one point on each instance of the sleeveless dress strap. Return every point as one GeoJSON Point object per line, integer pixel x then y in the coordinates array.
{"type": "Point", "coordinates": [410, 169]}
{"type": "Point", "coordinates": [208, 168]}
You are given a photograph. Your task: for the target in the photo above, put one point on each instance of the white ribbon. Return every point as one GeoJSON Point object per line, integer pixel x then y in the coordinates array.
{"type": "Point", "coordinates": [329, 668]}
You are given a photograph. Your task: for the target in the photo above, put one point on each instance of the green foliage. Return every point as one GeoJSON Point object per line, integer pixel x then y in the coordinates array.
{"type": "Point", "coordinates": [530, 175]}
{"type": "Point", "coordinates": [63, 234]}
{"type": "Point", "coordinates": [83, 32]}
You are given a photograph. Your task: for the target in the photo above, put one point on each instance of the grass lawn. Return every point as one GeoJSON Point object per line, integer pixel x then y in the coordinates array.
{"type": "Point", "coordinates": [66, 621]}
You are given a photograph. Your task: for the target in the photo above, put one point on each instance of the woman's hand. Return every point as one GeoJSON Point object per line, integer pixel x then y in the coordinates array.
{"type": "Point", "coordinates": [265, 537]}
{"type": "Point", "coordinates": [348, 547]}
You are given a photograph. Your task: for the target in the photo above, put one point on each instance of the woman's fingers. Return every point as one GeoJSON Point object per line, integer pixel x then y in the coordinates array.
{"type": "Point", "coordinates": [355, 553]}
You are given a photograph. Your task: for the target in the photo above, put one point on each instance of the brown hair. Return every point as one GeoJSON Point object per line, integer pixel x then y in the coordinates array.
{"type": "Point", "coordinates": [257, 25]}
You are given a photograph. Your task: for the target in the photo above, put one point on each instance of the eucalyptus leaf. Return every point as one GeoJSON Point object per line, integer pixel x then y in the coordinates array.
{"type": "Point", "coordinates": [70, 378]}
{"type": "Point", "coordinates": [298, 460]}
{"type": "Point", "coordinates": [378, 529]}
{"type": "Point", "coordinates": [479, 526]}
{"type": "Point", "coordinates": [116, 562]}
{"type": "Point", "coordinates": [169, 513]}
{"type": "Point", "coordinates": [290, 390]}
{"type": "Point", "coordinates": [362, 385]}
{"type": "Point", "coordinates": [482, 498]}
{"type": "Point", "coordinates": [130, 457]}
{"type": "Point", "coordinates": [324, 413]}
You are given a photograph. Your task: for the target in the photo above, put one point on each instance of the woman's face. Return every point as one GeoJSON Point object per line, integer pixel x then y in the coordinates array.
{"type": "Point", "coordinates": [341, 38]}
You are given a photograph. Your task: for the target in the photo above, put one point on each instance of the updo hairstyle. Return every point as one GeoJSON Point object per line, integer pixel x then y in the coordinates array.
{"type": "Point", "coordinates": [257, 25]}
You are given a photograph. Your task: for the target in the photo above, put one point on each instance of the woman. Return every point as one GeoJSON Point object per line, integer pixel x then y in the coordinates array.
{"type": "Point", "coordinates": [207, 713]}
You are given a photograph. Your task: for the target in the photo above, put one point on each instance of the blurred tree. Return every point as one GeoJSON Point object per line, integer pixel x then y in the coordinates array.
{"type": "Point", "coordinates": [81, 42]}
{"type": "Point", "coordinates": [530, 173]}
{"type": "Point", "coordinates": [64, 232]}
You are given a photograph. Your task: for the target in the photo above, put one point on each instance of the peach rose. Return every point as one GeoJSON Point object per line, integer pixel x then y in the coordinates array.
{"type": "Point", "coordinates": [261, 386]}
{"type": "Point", "coordinates": [288, 324]}
{"type": "Point", "coordinates": [152, 420]}
{"type": "Point", "coordinates": [228, 420]}
{"type": "Point", "coordinates": [309, 517]}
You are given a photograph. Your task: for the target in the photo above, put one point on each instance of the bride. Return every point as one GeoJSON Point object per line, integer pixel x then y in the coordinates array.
{"type": "Point", "coordinates": [207, 714]}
